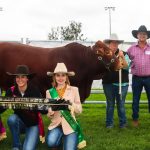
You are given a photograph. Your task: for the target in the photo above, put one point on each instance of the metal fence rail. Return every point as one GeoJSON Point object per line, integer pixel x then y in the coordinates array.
{"type": "Point", "coordinates": [100, 91]}
{"type": "Point", "coordinates": [104, 102]}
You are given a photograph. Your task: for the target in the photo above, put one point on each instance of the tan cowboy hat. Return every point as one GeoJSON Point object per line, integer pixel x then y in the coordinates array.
{"type": "Point", "coordinates": [21, 70]}
{"type": "Point", "coordinates": [61, 68]}
{"type": "Point", "coordinates": [113, 37]}
{"type": "Point", "coordinates": [142, 28]}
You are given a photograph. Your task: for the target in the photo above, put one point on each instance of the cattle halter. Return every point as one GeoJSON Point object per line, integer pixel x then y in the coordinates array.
{"type": "Point", "coordinates": [107, 65]}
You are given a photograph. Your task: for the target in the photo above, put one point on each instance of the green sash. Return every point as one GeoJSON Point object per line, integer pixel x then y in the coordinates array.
{"type": "Point", "coordinates": [72, 122]}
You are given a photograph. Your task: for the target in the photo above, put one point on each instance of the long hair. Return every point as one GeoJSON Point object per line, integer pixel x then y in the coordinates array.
{"type": "Point", "coordinates": [54, 83]}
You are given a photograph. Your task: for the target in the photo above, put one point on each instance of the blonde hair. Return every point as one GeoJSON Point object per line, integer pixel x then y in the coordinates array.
{"type": "Point", "coordinates": [54, 83]}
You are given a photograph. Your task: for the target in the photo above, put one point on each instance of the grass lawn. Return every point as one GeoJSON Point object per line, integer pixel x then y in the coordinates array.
{"type": "Point", "coordinates": [98, 137]}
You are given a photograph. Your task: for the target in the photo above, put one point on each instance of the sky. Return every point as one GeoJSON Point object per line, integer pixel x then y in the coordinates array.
{"type": "Point", "coordinates": [34, 19]}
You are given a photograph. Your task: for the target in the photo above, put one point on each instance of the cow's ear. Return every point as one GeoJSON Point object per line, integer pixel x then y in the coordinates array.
{"type": "Point", "coordinates": [98, 43]}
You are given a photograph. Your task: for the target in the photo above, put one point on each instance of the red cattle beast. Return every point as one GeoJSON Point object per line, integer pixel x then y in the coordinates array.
{"type": "Point", "coordinates": [87, 62]}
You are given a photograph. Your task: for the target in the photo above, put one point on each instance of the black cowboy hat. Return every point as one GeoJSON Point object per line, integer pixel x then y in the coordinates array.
{"type": "Point", "coordinates": [22, 70]}
{"type": "Point", "coordinates": [142, 28]}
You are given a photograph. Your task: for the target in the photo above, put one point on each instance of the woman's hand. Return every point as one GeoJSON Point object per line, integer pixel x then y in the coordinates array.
{"type": "Point", "coordinates": [120, 54]}
{"type": "Point", "coordinates": [122, 59]}
{"type": "Point", "coordinates": [50, 113]}
{"type": "Point", "coordinates": [72, 108]}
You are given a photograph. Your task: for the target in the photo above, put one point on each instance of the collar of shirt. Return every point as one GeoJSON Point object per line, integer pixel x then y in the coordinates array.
{"type": "Point", "coordinates": [146, 46]}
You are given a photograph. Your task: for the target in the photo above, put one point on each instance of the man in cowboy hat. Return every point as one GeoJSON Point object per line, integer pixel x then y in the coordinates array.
{"type": "Point", "coordinates": [139, 54]}
{"type": "Point", "coordinates": [110, 83]}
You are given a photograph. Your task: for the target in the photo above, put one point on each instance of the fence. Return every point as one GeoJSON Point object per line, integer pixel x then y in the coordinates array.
{"type": "Point", "coordinates": [100, 91]}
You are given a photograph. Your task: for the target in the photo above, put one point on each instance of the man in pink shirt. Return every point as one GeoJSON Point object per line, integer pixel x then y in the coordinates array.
{"type": "Point", "coordinates": [139, 54]}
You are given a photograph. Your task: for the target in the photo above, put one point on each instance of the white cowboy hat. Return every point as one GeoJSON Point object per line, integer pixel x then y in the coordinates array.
{"type": "Point", "coordinates": [113, 37]}
{"type": "Point", "coordinates": [61, 68]}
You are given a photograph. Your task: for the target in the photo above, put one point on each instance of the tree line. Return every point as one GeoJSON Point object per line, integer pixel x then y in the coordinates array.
{"type": "Point", "coordinates": [71, 32]}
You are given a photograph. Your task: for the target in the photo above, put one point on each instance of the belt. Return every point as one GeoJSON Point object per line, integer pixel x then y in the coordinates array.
{"type": "Point", "coordinates": [141, 76]}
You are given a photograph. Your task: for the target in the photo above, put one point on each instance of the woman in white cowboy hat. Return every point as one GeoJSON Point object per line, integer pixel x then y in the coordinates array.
{"type": "Point", "coordinates": [111, 84]}
{"type": "Point", "coordinates": [23, 121]}
{"type": "Point", "coordinates": [63, 123]}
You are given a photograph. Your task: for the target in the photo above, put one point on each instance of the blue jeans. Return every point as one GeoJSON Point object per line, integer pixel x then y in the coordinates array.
{"type": "Point", "coordinates": [17, 127]}
{"type": "Point", "coordinates": [137, 86]}
{"type": "Point", "coordinates": [112, 93]}
{"type": "Point", "coordinates": [54, 139]}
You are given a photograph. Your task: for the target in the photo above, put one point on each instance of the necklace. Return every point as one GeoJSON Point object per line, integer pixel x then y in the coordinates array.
{"type": "Point", "coordinates": [61, 91]}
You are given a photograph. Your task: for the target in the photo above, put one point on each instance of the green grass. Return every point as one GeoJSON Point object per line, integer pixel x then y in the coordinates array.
{"type": "Point", "coordinates": [98, 137]}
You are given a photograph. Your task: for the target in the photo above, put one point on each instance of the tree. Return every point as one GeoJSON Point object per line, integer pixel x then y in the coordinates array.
{"type": "Point", "coordinates": [54, 34]}
{"type": "Point", "coordinates": [71, 32]}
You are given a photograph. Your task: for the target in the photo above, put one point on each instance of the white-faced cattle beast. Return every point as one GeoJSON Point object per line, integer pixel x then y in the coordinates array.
{"type": "Point", "coordinates": [87, 62]}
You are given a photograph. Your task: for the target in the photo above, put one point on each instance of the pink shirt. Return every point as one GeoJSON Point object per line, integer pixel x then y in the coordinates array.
{"type": "Point", "coordinates": [72, 94]}
{"type": "Point", "coordinates": [140, 60]}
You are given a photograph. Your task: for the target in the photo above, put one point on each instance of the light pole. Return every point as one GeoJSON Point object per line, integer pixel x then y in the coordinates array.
{"type": "Point", "coordinates": [109, 10]}
{"type": "Point", "coordinates": [1, 9]}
